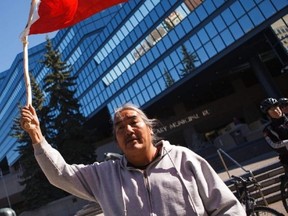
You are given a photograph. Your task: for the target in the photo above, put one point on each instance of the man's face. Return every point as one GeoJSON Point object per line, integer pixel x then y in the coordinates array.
{"type": "Point", "coordinates": [275, 112]}
{"type": "Point", "coordinates": [131, 132]}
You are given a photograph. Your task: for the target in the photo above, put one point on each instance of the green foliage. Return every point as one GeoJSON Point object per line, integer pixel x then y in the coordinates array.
{"type": "Point", "coordinates": [72, 140]}
{"type": "Point", "coordinates": [189, 60]}
{"type": "Point", "coordinates": [62, 126]}
{"type": "Point", "coordinates": [37, 190]}
{"type": "Point", "coordinates": [169, 81]}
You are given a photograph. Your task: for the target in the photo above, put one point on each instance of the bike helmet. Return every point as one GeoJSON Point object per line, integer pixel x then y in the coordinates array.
{"type": "Point", "coordinates": [268, 103]}
{"type": "Point", "coordinates": [7, 212]}
{"type": "Point", "coordinates": [283, 101]}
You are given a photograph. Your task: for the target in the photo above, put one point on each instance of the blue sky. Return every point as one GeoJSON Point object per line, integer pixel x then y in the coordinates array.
{"type": "Point", "coordinates": [13, 18]}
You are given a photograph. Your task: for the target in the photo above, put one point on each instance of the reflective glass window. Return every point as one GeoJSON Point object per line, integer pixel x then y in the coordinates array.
{"type": "Point", "coordinates": [174, 55]}
{"type": "Point", "coordinates": [280, 27]}
{"type": "Point", "coordinates": [218, 3]}
{"type": "Point", "coordinates": [184, 9]}
{"type": "Point", "coordinates": [174, 35]}
{"type": "Point", "coordinates": [246, 23]}
{"type": "Point", "coordinates": [279, 4]}
{"type": "Point", "coordinates": [194, 18]}
{"type": "Point", "coordinates": [201, 12]}
{"type": "Point", "coordinates": [141, 84]}
{"type": "Point", "coordinates": [256, 16]}
{"type": "Point", "coordinates": [168, 63]}
{"type": "Point", "coordinates": [175, 74]}
{"type": "Point", "coordinates": [209, 6]}
{"type": "Point", "coordinates": [186, 23]}
{"type": "Point", "coordinates": [211, 30]}
{"type": "Point", "coordinates": [140, 98]}
{"type": "Point", "coordinates": [248, 5]}
{"type": "Point", "coordinates": [227, 37]}
{"type": "Point", "coordinates": [237, 10]}
{"type": "Point", "coordinates": [153, 72]}
{"type": "Point", "coordinates": [236, 30]}
{"type": "Point", "coordinates": [219, 23]}
{"type": "Point", "coordinates": [228, 17]}
{"type": "Point", "coordinates": [161, 83]}
{"type": "Point", "coordinates": [151, 92]}
{"type": "Point", "coordinates": [168, 41]}
{"type": "Point", "coordinates": [202, 35]}
{"type": "Point", "coordinates": [180, 31]}
{"type": "Point", "coordinates": [195, 42]}
{"type": "Point", "coordinates": [267, 9]}
{"type": "Point", "coordinates": [148, 21]}
{"type": "Point", "coordinates": [156, 87]}
{"type": "Point", "coordinates": [218, 43]}
{"type": "Point", "coordinates": [202, 55]}
{"type": "Point", "coordinates": [210, 49]}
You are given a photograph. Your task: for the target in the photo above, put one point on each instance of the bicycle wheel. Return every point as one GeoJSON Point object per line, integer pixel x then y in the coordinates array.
{"type": "Point", "coordinates": [284, 192]}
{"type": "Point", "coordinates": [264, 211]}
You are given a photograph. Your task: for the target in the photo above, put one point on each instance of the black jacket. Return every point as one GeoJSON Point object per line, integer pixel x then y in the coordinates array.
{"type": "Point", "coordinates": [276, 135]}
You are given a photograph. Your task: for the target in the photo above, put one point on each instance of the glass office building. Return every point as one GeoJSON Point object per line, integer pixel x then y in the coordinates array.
{"type": "Point", "coordinates": [190, 63]}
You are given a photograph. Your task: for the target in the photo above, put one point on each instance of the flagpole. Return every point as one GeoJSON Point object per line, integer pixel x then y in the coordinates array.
{"type": "Point", "coordinates": [24, 39]}
{"type": "Point", "coordinates": [27, 125]}
{"type": "Point", "coordinates": [26, 72]}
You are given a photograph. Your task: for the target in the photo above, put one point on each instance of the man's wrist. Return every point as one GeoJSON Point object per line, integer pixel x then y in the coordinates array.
{"type": "Point", "coordinates": [36, 136]}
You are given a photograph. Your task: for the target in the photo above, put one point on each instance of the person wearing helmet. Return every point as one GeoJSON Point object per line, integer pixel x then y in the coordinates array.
{"type": "Point", "coordinates": [283, 102]}
{"type": "Point", "coordinates": [7, 212]}
{"type": "Point", "coordinates": [276, 131]}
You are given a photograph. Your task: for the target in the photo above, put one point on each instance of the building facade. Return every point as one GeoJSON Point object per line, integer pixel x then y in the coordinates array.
{"type": "Point", "coordinates": [195, 65]}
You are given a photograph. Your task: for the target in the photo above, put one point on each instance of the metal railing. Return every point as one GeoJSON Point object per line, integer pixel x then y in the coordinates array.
{"type": "Point", "coordinates": [221, 153]}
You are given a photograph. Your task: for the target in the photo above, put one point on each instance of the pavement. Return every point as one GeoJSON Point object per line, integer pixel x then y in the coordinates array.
{"type": "Point", "coordinates": [279, 207]}
{"type": "Point", "coordinates": [254, 164]}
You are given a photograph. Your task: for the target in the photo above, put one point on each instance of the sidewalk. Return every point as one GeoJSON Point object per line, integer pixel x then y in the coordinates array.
{"type": "Point", "coordinates": [279, 207]}
{"type": "Point", "coordinates": [252, 165]}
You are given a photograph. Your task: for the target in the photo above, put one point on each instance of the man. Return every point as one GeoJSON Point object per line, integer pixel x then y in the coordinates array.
{"type": "Point", "coordinates": [283, 102]}
{"type": "Point", "coordinates": [276, 132]}
{"type": "Point", "coordinates": [152, 178]}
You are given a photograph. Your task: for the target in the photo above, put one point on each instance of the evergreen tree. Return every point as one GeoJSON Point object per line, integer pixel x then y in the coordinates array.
{"type": "Point", "coordinates": [37, 190]}
{"type": "Point", "coordinates": [71, 138]}
{"type": "Point", "coordinates": [189, 60]}
{"type": "Point", "coordinates": [168, 79]}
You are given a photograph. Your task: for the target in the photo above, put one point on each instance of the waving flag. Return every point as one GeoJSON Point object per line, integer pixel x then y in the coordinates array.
{"type": "Point", "coordinates": [51, 15]}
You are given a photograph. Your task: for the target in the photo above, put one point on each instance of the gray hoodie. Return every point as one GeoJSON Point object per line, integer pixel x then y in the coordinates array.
{"type": "Point", "coordinates": [179, 182]}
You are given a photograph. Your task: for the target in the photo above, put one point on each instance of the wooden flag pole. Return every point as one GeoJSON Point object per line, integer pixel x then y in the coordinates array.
{"type": "Point", "coordinates": [27, 125]}
{"type": "Point", "coordinates": [24, 39]}
{"type": "Point", "coordinates": [26, 72]}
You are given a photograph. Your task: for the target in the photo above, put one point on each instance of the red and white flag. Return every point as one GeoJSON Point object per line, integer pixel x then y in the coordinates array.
{"type": "Point", "coordinates": [52, 15]}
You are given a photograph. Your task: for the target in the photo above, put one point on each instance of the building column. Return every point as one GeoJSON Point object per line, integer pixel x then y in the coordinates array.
{"type": "Point", "coordinates": [264, 77]}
